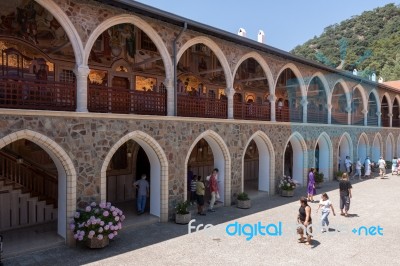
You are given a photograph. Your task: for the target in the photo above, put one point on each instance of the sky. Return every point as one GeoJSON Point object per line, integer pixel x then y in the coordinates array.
{"type": "Point", "coordinates": [286, 24]}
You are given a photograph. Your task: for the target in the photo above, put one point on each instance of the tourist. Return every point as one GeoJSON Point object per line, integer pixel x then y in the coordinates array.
{"type": "Point", "coordinates": [348, 164]}
{"type": "Point", "coordinates": [143, 188]}
{"type": "Point", "coordinates": [327, 206]}
{"type": "Point", "coordinates": [189, 179]}
{"type": "Point", "coordinates": [193, 186]}
{"type": "Point", "coordinates": [200, 191]}
{"type": "Point", "coordinates": [311, 186]}
{"type": "Point", "coordinates": [358, 169]}
{"type": "Point", "coordinates": [213, 183]}
{"type": "Point", "coordinates": [367, 167]}
{"type": "Point", "coordinates": [382, 165]}
{"type": "Point", "coordinates": [345, 194]}
{"type": "Point", "coordinates": [394, 166]}
{"type": "Point", "coordinates": [304, 218]}
{"type": "Point", "coordinates": [398, 166]}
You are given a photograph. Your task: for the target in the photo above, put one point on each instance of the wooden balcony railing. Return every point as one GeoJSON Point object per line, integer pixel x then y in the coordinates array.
{"type": "Point", "coordinates": [372, 121]}
{"type": "Point", "coordinates": [17, 93]}
{"type": "Point", "coordinates": [316, 116]}
{"type": "Point", "coordinates": [286, 114]}
{"type": "Point", "coordinates": [252, 111]}
{"type": "Point", "coordinates": [339, 118]}
{"type": "Point", "coordinates": [357, 119]}
{"type": "Point", "coordinates": [385, 121]}
{"type": "Point", "coordinates": [192, 106]}
{"type": "Point", "coordinates": [395, 122]}
{"type": "Point", "coordinates": [103, 99]}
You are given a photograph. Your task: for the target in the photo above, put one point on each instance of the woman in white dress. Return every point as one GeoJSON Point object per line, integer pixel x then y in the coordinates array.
{"type": "Point", "coordinates": [367, 167]}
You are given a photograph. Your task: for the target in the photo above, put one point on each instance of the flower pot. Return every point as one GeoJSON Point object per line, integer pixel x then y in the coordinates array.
{"type": "Point", "coordinates": [287, 193]}
{"type": "Point", "coordinates": [244, 204]}
{"type": "Point", "coordinates": [183, 218]}
{"type": "Point", "coordinates": [96, 243]}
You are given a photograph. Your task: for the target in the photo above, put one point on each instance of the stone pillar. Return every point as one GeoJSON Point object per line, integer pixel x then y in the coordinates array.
{"type": "Point", "coordinates": [379, 115]}
{"type": "Point", "coordinates": [349, 115]}
{"type": "Point", "coordinates": [365, 112]}
{"type": "Point", "coordinates": [169, 85]}
{"type": "Point", "coordinates": [229, 94]}
{"type": "Point", "coordinates": [81, 73]}
{"type": "Point", "coordinates": [304, 103]}
{"type": "Point", "coordinates": [329, 108]}
{"type": "Point", "coordinates": [390, 120]}
{"type": "Point", "coordinates": [272, 101]}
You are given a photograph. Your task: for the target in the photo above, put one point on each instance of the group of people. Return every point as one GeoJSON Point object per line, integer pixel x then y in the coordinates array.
{"type": "Point", "coordinates": [368, 165]}
{"type": "Point", "coordinates": [198, 190]}
{"type": "Point", "coordinates": [304, 216]}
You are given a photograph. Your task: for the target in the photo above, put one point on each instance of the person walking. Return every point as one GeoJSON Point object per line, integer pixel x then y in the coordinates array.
{"type": "Point", "coordinates": [358, 169]}
{"type": "Point", "coordinates": [304, 219]}
{"type": "Point", "coordinates": [382, 165]}
{"type": "Point", "coordinates": [345, 194]}
{"type": "Point", "coordinates": [394, 166]}
{"type": "Point", "coordinates": [367, 167]}
{"type": "Point", "coordinates": [348, 164]}
{"type": "Point", "coordinates": [311, 185]}
{"type": "Point", "coordinates": [213, 189]}
{"type": "Point", "coordinates": [193, 186]}
{"type": "Point", "coordinates": [200, 191]}
{"type": "Point", "coordinates": [143, 188]}
{"type": "Point", "coordinates": [326, 206]}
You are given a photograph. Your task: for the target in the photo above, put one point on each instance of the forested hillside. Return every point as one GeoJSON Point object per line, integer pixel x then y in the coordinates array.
{"type": "Point", "coordinates": [369, 43]}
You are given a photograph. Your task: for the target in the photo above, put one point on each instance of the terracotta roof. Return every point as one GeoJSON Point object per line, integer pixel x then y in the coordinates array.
{"type": "Point", "coordinates": [395, 84]}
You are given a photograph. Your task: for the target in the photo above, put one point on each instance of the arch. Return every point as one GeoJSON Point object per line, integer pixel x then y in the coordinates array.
{"type": "Point", "coordinates": [299, 164]}
{"type": "Point", "coordinates": [266, 176]}
{"type": "Point", "coordinates": [222, 161]}
{"type": "Point", "coordinates": [376, 148]}
{"type": "Point", "coordinates": [345, 148]}
{"type": "Point", "coordinates": [325, 155]}
{"type": "Point", "coordinates": [297, 72]}
{"type": "Point", "coordinates": [140, 23]}
{"type": "Point", "coordinates": [377, 99]}
{"type": "Point", "coordinates": [325, 83]}
{"type": "Point", "coordinates": [158, 170]}
{"type": "Point", "coordinates": [346, 91]}
{"type": "Point", "coordinates": [216, 50]}
{"type": "Point", "coordinates": [363, 147]}
{"type": "Point", "coordinates": [66, 176]}
{"type": "Point", "coordinates": [256, 56]}
{"type": "Point", "coordinates": [390, 147]}
{"type": "Point", "coordinates": [362, 91]}
{"type": "Point", "coordinates": [389, 100]}
{"type": "Point", "coordinates": [67, 25]}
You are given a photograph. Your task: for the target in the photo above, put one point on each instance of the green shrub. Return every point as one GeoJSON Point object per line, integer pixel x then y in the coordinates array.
{"type": "Point", "coordinates": [243, 196]}
{"type": "Point", "coordinates": [182, 207]}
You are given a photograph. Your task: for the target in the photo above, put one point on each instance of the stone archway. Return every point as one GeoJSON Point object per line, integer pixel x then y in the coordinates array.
{"type": "Point", "coordinates": [345, 148]}
{"type": "Point", "coordinates": [298, 158]}
{"type": "Point", "coordinates": [325, 152]}
{"type": "Point", "coordinates": [362, 147]}
{"type": "Point", "coordinates": [222, 161]}
{"type": "Point", "coordinates": [158, 171]}
{"type": "Point", "coordinates": [66, 176]}
{"type": "Point", "coordinates": [266, 165]}
{"type": "Point", "coordinates": [376, 148]}
{"type": "Point", "coordinates": [390, 147]}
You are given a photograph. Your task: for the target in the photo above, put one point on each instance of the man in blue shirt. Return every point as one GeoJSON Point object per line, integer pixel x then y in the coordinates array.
{"type": "Point", "coordinates": [143, 188]}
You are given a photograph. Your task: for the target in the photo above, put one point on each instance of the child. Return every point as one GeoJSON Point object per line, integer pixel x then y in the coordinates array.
{"type": "Point", "coordinates": [193, 190]}
{"type": "Point", "coordinates": [326, 205]}
{"type": "Point", "coordinates": [200, 191]}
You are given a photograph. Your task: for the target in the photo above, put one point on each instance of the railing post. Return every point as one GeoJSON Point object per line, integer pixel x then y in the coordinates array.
{"type": "Point", "coordinates": [171, 98]}
{"type": "Point", "coordinates": [379, 116]}
{"type": "Point", "coordinates": [349, 115]}
{"type": "Point", "coordinates": [229, 93]}
{"type": "Point", "coordinates": [390, 119]}
{"type": "Point", "coordinates": [304, 103]}
{"type": "Point", "coordinates": [272, 99]}
{"type": "Point", "coordinates": [365, 112]}
{"type": "Point", "coordinates": [81, 73]}
{"type": "Point", "coordinates": [329, 108]}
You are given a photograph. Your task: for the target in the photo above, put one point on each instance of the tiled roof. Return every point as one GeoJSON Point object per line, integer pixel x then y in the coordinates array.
{"type": "Point", "coordinates": [395, 84]}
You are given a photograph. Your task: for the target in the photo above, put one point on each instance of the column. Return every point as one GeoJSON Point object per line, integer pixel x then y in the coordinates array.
{"type": "Point", "coordinates": [169, 86]}
{"type": "Point", "coordinates": [365, 112]}
{"type": "Point", "coordinates": [81, 74]}
{"type": "Point", "coordinates": [329, 108]}
{"type": "Point", "coordinates": [229, 94]}
{"type": "Point", "coordinates": [390, 120]}
{"type": "Point", "coordinates": [304, 103]}
{"type": "Point", "coordinates": [349, 115]}
{"type": "Point", "coordinates": [272, 101]}
{"type": "Point", "coordinates": [379, 115]}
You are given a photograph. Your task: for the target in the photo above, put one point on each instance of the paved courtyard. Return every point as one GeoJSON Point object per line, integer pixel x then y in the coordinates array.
{"type": "Point", "coordinates": [375, 203]}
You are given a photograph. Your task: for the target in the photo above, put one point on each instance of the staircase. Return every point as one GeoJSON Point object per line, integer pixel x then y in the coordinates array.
{"type": "Point", "coordinates": [28, 195]}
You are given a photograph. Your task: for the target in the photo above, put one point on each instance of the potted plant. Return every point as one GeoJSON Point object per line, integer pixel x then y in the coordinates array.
{"type": "Point", "coordinates": [182, 216]}
{"type": "Point", "coordinates": [96, 224]}
{"type": "Point", "coordinates": [319, 178]}
{"type": "Point", "coordinates": [338, 175]}
{"type": "Point", "coordinates": [287, 186]}
{"type": "Point", "coordinates": [243, 201]}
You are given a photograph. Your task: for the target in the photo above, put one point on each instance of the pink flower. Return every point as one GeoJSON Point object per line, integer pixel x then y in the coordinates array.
{"type": "Point", "coordinates": [76, 236]}
{"type": "Point", "coordinates": [91, 233]}
{"type": "Point", "coordinates": [122, 218]}
{"type": "Point", "coordinates": [93, 204]}
{"type": "Point", "coordinates": [72, 226]}
{"type": "Point", "coordinates": [80, 238]}
{"type": "Point", "coordinates": [88, 209]}
{"type": "Point", "coordinates": [102, 205]}
{"type": "Point", "coordinates": [111, 236]}
{"type": "Point", "coordinates": [116, 218]}
{"type": "Point", "coordinates": [100, 237]}
{"type": "Point", "coordinates": [77, 214]}
{"type": "Point", "coordinates": [108, 205]}
{"type": "Point", "coordinates": [112, 208]}
{"type": "Point", "coordinates": [101, 223]}
{"type": "Point", "coordinates": [115, 233]}
{"type": "Point", "coordinates": [101, 230]}
{"type": "Point", "coordinates": [115, 213]}
{"type": "Point", "coordinates": [106, 213]}
{"type": "Point", "coordinates": [106, 227]}
{"type": "Point", "coordinates": [90, 236]}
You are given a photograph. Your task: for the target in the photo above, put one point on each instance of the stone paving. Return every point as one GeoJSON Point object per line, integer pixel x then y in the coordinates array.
{"type": "Point", "coordinates": [375, 202]}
